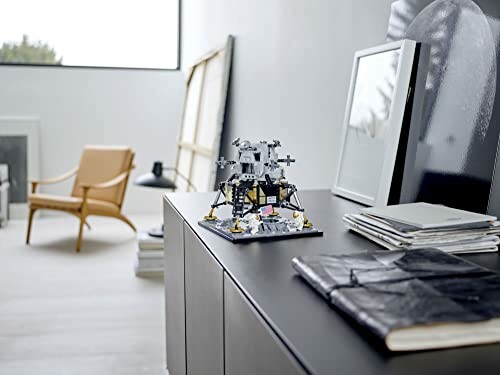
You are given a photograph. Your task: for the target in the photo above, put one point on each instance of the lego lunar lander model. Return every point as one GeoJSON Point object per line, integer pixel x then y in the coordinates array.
{"type": "Point", "coordinates": [256, 189]}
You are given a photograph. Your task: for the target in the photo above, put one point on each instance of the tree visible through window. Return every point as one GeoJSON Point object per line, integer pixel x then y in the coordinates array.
{"type": "Point", "coordinates": [28, 52]}
{"type": "Point", "coordinates": [97, 33]}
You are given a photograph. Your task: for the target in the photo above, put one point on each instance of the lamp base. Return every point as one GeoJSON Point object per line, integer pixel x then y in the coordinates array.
{"type": "Point", "coordinates": [156, 232]}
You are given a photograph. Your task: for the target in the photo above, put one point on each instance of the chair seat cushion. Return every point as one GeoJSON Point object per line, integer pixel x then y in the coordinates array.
{"type": "Point", "coordinates": [58, 202]}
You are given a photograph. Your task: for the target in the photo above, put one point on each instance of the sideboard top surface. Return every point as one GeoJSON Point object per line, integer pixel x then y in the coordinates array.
{"type": "Point", "coordinates": [324, 340]}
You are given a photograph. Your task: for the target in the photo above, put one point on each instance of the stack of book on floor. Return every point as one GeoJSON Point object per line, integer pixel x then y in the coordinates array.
{"type": "Point", "coordinates": [424, 225]}
{"type": "Point", "coordinates": [149, 260]}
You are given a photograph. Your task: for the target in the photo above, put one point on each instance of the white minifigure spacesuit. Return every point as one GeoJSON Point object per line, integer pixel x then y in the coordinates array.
{"type": "Point", "coordinates": [251, 221]}
{"type": "Point", "coordinates": [254, 223]}
{"type": "Point", "coordinates": [298, 220]}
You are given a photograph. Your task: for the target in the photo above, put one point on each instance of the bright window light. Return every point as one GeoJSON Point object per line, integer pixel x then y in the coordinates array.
{"type": "Point", "coordinates": [94, 33]}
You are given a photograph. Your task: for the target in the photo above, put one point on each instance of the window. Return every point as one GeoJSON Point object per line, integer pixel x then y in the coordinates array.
{"type": "Point", "coordinates": [94, 33]}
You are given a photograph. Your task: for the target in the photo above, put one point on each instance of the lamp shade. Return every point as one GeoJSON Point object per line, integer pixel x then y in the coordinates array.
{"type": "Point", "coordinates": [155, 178]}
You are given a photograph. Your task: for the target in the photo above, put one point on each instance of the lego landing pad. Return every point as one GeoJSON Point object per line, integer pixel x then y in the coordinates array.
{"type": "Point", "coordinates": [270, 229]}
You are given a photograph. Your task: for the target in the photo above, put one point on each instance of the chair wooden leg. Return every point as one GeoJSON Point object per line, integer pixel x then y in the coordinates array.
{"type": "Point", "coordinates": [30, 221]}
{"type": "Point", "coordinates": [80, 234]}
{"type": "Point", "coordinates": [128, 222]}
{"type": "Point", "coordinates": [78, 216]}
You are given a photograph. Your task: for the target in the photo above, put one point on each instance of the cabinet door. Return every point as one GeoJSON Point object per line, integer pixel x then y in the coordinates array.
{"type": "Point", "coordinates": [204, 309]}
{"type": "Point", "coordinates": [175, 323]}
{"type": "Point", "coordinates": [250, 345]}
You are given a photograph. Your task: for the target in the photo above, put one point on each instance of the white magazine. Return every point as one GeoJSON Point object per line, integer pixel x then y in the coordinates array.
{"type": "Point", "coordinates": [427, 216]}
{"type": "Point", "coordinates": [434, 236]}
{"type": "Point", "coordinates": [475, 247]}
{"type": "Point", "coordinates": [452, 244]}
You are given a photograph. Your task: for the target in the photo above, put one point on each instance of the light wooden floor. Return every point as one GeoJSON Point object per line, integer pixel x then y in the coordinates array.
{"type": "Point", "coordinates": [63, 312]}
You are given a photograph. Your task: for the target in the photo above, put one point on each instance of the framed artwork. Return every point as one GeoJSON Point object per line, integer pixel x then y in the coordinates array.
{"type": "Point", "coordinates": [458, 141]}
{"type": "Point", "coordinates": [202, 120]}
{"type": "Point", "coordinates": [378, 144]}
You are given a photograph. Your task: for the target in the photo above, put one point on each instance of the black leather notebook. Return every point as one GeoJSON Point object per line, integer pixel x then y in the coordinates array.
{"type": "Point", "coordinates": [410, 299]}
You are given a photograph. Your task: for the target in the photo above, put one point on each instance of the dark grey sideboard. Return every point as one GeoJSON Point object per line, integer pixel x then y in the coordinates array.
{"type": "Point", "coordinates": [241, 309]}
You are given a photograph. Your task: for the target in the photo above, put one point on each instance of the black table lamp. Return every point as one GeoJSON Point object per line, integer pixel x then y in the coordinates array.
{"type": "Point", "coordinates": [156, 179]}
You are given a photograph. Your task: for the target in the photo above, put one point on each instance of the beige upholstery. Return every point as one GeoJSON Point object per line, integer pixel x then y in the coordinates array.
{"type": "Point", "coordinates": [99, 164]}
{"type": "Point", "coordinates": [56, 202]}
{"type": "Point", "coordinates": [99, 188]}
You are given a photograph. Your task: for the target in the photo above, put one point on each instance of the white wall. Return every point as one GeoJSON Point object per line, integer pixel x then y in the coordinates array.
{"type": "Point", "coordinates": [98, 106]}
{"type": "Point", "coordinates": [291, 70]}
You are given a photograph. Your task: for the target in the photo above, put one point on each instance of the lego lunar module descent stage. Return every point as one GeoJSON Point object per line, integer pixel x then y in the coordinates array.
{"type": "Point", "coordinates": [257, 190]}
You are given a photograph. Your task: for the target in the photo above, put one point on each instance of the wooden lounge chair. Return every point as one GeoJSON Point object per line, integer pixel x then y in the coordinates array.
{"type": "Point", "coordinates": [99, 187]}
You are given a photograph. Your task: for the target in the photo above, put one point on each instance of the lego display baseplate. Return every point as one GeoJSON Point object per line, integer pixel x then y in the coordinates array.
{"type": "Point", "coordinates": [270, 228]}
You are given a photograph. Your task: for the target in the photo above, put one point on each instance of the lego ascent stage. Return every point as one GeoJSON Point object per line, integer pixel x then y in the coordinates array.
{"type": "Point", "coordinates": [256, 190]}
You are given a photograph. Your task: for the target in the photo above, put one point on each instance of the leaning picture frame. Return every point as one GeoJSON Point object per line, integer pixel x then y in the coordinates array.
{"type": "Point", "coordinates": [382, 123]}
{"type": "Point", "coordinates": [202, 119]}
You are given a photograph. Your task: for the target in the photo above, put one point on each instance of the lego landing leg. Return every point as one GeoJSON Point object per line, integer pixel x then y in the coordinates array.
{"type": "Point", "coordinates": [307, 223]}
{"type": "Point", "coordinates": [274, 213]}
{"type": "Point", "coordinates": [236, 228]}
{"type": "Point", "coordinates": [211, 216]}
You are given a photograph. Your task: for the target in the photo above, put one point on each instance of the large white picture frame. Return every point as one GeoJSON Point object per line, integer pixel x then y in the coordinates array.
{"type": "Point", "coordinates": [376, 106]}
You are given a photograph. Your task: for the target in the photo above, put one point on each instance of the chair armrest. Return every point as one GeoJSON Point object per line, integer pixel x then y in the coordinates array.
{"type": "Point", "coordinates": [54, 180]}
{"type": "Point", "coordinates": [106, 184]}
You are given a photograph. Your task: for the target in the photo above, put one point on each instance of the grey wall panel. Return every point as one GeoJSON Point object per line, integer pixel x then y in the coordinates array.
{"type": "Point", "coordinates": [174, 290]}
{"type": "Point", "coordinates": [14, 153]}
{"type": "Point", "coordinates": [250, 345]}
{"type": "Point", "coordinates": [204, 309]}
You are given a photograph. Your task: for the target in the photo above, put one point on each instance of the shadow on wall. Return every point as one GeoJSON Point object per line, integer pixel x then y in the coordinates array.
{"type": "Point", "coordinates": [461, 110]}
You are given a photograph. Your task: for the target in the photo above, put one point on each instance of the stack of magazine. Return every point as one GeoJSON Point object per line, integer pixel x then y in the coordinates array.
{"type": "Point", "coordinates": [424, 225]}
{"type": "Point", "coordinates": [149, 261]}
